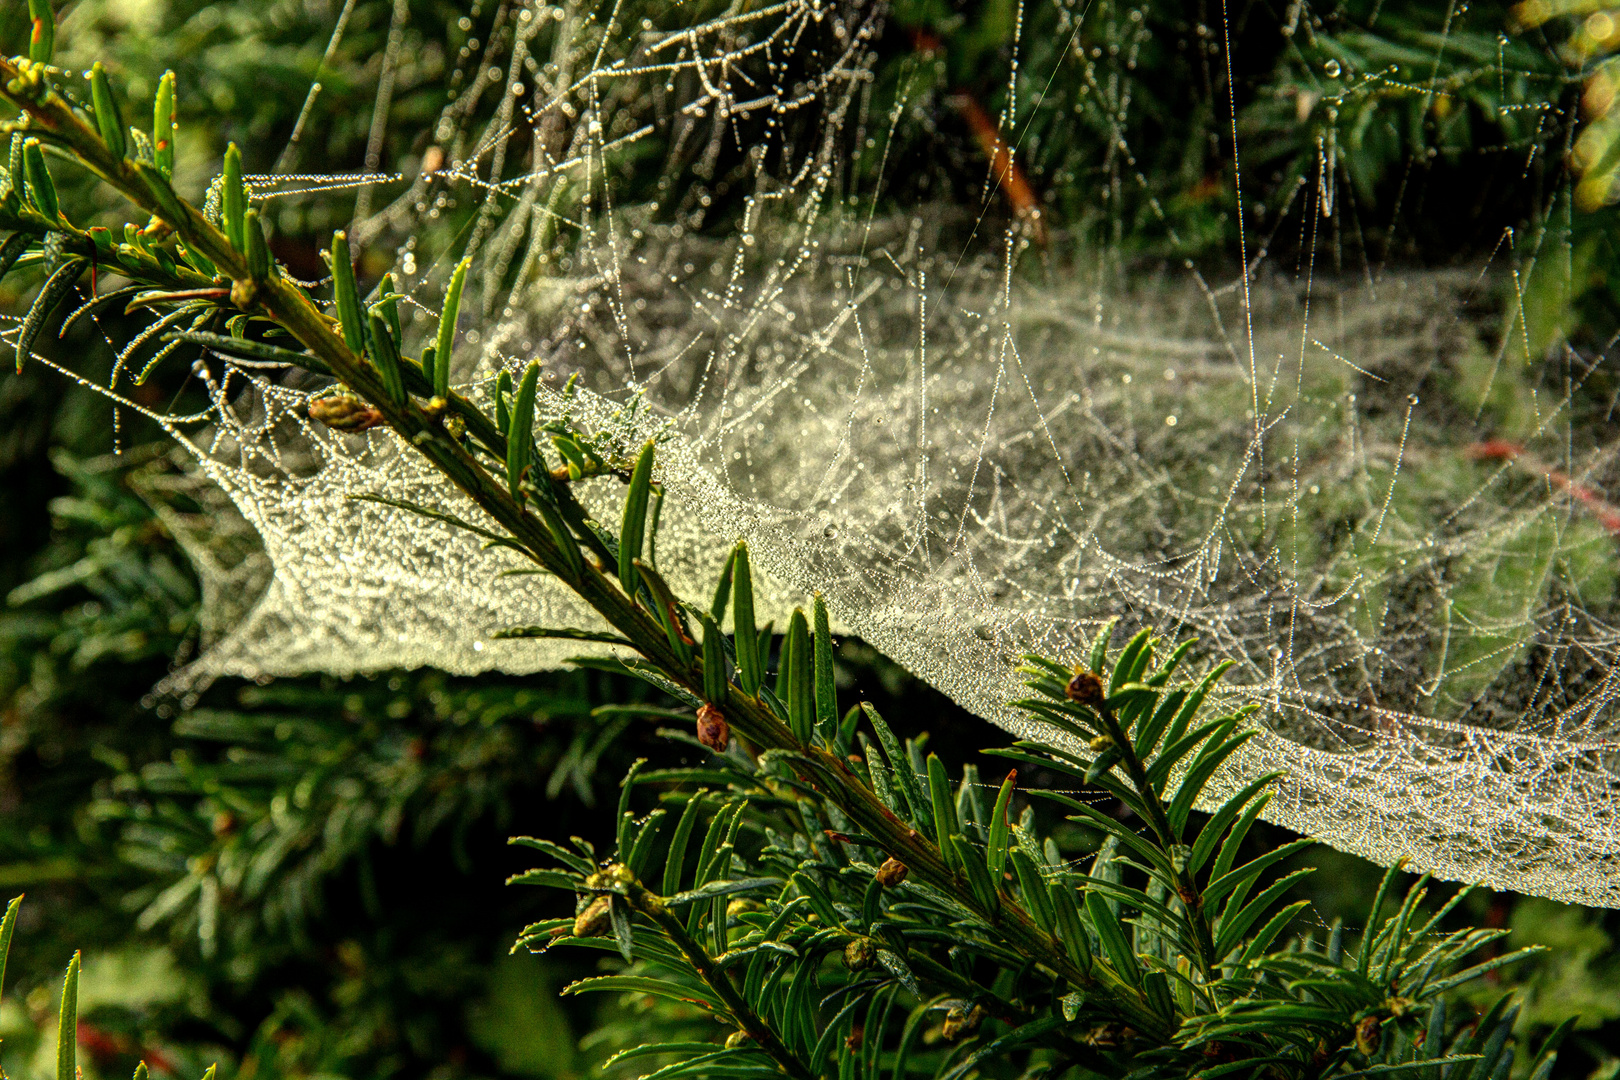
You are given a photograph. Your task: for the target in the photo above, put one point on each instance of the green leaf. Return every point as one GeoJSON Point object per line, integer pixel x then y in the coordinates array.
{"type": "Point", "coordinates": [387, 303]}
{"type": "Point", "coordinates": [715, 676]}
{"type": "Point", "coordinates": [16, 244]}
{"type": "Point", "coordinates": [1245, 874]}
{"type": "Point", "coordinates": [1199, 774]}
{"type": "Point", "coordinates": [1263, 938]}
{"type": "Point", "coordinates": [619, 917]}
{"type": "Point", "coordinates": [1194, 702]}
{"type": "Point", "coordinates": [750, 668]}
{"type": "Point", "coordinates": [1105, 761]}
{"type": "Point", "coordinates": [1435, 1032]}
{"type": "Point", "coordinates": [1033, 889]}
{"type": "Point", "coordinates": [642, 849]}
{"type": "Point", "coordinates": [1234, 926]}
{"type": "Point", "coordinates": [972, 864]}
{"type": "Point", "coordinates": [163, 127]}
{"type": "Point", "coordinates": [1210, 835]}
{"type": "Point", "coordinates": [385, 357]}
{"type": "Point", "coordinates": [685, 1049]}
{"type": "Point", "coordinates": [550, 879]}
{"type": "Point", "coordinates": [566, 543]}
{"type": "Point", "coordinates": [1099, 645]}
{"type": "Point", "coordinates": [1112, 826]}
{"type": "Point", "coordinates": [346, 294]}
{"type": "Point", "coordinates": [1539, 1068]}
{"type": "Point", "coordinates": [1168, 668]}
{"type": "Point", "coordinates": [722, 590]}
{"type": "Point", "coordinates": [520, 433]}
{"type": "Point", "coordinates": [1365, 958]}
{"type": "Point", "coordinates": [503, 396]}
{"type": "Point", "coordinates": [623, 818]}
{"type": "Point", "coordinates": [8, 926]}
{"type": "Point", "coordinates": [667, 611]}
{"type": "Point", "coordinates": [564, 632]}
{"type": "Point", "coordinates": [556, 851]}
{"type": "Point", "coordinates": [1233, 843]}
{"type": "Point", "coordinates": [879, 774]}
{"type": "Point", "coordinates": [831, 1032]}
{"type": "Point", "coordinates": [1156, 988]}
{"type": "Point", "coordinates": [445, 339]}
{"type": "Point", "coordinates": [57, 286]}
{"type": "Point", "coordinates": [1392, 937]}
{"type": "Point", "coordinates": [248, 349]}
{"type": "Point", "coordinates": [1066, 918]}
{"type": "Point", "coordinates": [812, 891]}
{"type": "Point", "coordinates": [908, 787]}
{"type": "Point", "coordinates": [826, 690]}
{"type": "Point", "coordinates": [675, 860]}
{"type": "Point", "coordinates": [41, 188]}
{"type": "Point", "coordinates": [708, 853]}
{"type": "Point", "coordinates": [1472, 973]}
{"type": "Point", "coordinates": [939, 791]}
{"type": "Point", "coordinates": [794, 680]}
{"type": "Point", "coordinates": [633, 530]}
{"type": "Point", "coordinates": [260, 264]}
{"type": "Point", "coordinates": [846, 730]}
{"type": "Point", "coordinates": [1127, 661]}
{"type": "Point", "coordinates": [1147, 735]}
{"type": "Point", "coordinates": [67, 1025]}
{"type": "Point", "coordinates": [642, 984]}
{"type": "Point", "coordinates": [233, 198]}
{"type": "Point", "coordinates": [1035, 1029]}
{"type": "Point", "coordinates": [448, 519]}
{"type": "Point", "coordinates": [995, 854]}
{"type": "Point", "coordinates": [1411, 1066]}
{"type": "Point", "coordinates": [1114, 942]}
{"type": "Point", "coordinates": [1159, 772]}
{"type": "Point", "coordinates": [41, 38]}
{"type": "Point", "coordinates": [109, 118]}
{"type": "Point", "coordinates": [723, 887]}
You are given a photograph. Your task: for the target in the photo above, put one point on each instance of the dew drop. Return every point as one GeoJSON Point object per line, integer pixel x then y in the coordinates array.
{"type": "Point", "coordinates": [1331, 69]}
{"type": "Point", "coordinates": [1412, 400]}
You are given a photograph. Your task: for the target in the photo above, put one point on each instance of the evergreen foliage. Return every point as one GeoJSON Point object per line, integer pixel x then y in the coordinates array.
{"type": "Point", "coordinates": [817, 884]}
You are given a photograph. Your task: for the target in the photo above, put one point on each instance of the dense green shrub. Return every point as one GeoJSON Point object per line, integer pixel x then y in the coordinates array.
{"type": "Point", "coordinates": [1000, 950]}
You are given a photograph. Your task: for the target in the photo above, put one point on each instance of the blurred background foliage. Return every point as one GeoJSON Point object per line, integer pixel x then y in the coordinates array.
{"type": "Point", "coordinates": [304, 879]}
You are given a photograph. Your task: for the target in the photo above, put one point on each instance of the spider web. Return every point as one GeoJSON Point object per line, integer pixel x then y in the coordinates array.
{"type": "Point", "coordinates": [977, 440]}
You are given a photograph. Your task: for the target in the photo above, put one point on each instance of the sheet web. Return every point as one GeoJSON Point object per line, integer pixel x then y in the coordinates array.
{"type": "Point", "coordinates": [1393, 518]}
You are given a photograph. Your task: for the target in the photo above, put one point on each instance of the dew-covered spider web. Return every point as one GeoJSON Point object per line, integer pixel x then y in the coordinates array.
{"type": "Point", "coordinates": [978, 433]}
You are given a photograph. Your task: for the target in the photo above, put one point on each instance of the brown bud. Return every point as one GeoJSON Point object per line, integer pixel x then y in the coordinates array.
{"type": "Point", "coordinates": [860, 954]}
{"type": "Point", "coordinates": [1085, 688]}
{"type": "Point", "coordinates": [344, 413]}
{"type": "Point", "coordinates": [891, 873]}
{"type": "Point", "coordinates": [593, 921]}
{"type": "Point", "coordinates": [712, 729]}
{"type": "Point", "coordinates": [960, 1021]}
{"type": "Point", "coordinates": [1367, 1035]}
